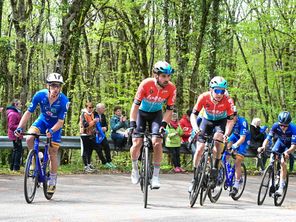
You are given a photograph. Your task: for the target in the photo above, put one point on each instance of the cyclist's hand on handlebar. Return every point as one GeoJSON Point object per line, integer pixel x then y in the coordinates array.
{"type": "Point", "coordinates": [18, 132]}
{"type": "Point", "coordinates": [234, 147]}
{"type": "Point", "coordinates": [260, 149]}
{"type": "Point", "coordinates": [162, 127]}
{"type": "Point", "coordinates": [133, 126]}
{"type": "Point", "coordinates": [286, 155]}
{"type": "Point", "coordinates": [225, 138]}
{"type": "Point", "coordinates": [49, 133]}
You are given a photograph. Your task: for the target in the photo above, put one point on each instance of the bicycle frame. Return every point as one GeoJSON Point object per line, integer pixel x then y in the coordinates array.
{"type": "Point", "coordinates": [229, 170]}
{"type": "Point", "coordinates": [41, 169]}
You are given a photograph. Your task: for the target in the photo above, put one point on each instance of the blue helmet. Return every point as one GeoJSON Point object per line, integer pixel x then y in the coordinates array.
{"type": "Point", "coordinates": [163, 67]}
{"type": "Point", "coordinates": [218, 82]}
{"type": "Point", "coordinates": [285, 117]}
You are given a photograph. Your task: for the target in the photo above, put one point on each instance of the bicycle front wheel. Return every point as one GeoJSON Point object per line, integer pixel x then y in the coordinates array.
{"type": "Point", "coordinates": [215, 193]}
{"type": "Point", "coordinates": [204, 189]}
{"type": "Point", "coordinates": [30, 177]}
{"type": "Point", "coordinates": [47, 195]}
{"type": "Point", "coordinates": [264, 186]}
{"type": "Point", "coordinates": [145, 164]}
{"type": "Point", "coordinates": [242, 182]}
{"type": "Point", "coordinates": [198, 179]}
{"type": "Point", "coordinates": [278, 200]}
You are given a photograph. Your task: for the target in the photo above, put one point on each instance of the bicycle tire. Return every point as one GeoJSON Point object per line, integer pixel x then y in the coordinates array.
{"type": "Point", "coordinates": [278, 200]}
{"type": "Point", "coordinates": [30, 177]}
{"type": "Point", "coordinates": [47, 195]}
{"type": "Point", "coordinates": [214, 194]}
{"type": "Point", "coordinates": [198, 178]}
{"type": "Point", "coordinates": [205, 184]}
{"type": "Point", "coordinates": [264, 185]}
{"type": "Point", "coordinates": [146, 175]}
{"type": "Point", "coordinates": [243, 183]}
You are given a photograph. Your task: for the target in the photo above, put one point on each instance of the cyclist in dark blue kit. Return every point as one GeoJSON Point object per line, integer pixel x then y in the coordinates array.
{"type": "Point", "coordinates": [53, 106]}
{"type": "Point", "coordinates": [238, 141]}
{"type": "Point", "coordinates": [286, 143]}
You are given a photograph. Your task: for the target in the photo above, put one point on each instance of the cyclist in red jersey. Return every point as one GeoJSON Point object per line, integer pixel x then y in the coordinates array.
{"type": "Point", "coordinates": [217, 120]}
{"type": "Point", "coordinates": [147, 108]}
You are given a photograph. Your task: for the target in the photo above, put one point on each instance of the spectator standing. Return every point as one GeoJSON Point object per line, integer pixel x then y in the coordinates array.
{"type": "Point", "coordinates": [100, 114]}
{"type": "Point", "coordinates": [173, 141]}
{"type": "Point", "coordinates": [186, 126]}
{"type": "Point", "coordinates": [14, 115]}
{"type": "Point", "coordinates": [119, 125]}
{"type": "Point", "coordinates": [257, 138]}
{"type": "Point", "coordinates": [87, 133]}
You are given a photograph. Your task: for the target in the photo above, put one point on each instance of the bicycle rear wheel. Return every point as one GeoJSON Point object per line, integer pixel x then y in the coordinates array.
{"type": "Point", "coordinates": [243, 181]}
{"type": "Point", "coordinates": [30, 177]}
{"type": "Point", "coordinates": [198, 178]}
{"type": "Point", "coordinates": [47, 195]}
{"type": "Point", "coordinates": [264, 186]}
{"type": "Point", "coordinates": [278, 200]}
{"type": "Point", "coordinates": [214, 194]}
{"type": "Point", "coordinates": [145, 175]}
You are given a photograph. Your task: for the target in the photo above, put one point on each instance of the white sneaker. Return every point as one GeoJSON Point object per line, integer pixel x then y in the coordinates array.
{"type": "Point", "coordinates": [191, 186]}
{"type": "Point", "coordinates": [135, 177]}
{"type": "Point", "coordinates": [279, 191]}
{"type": "Point", "coordinates": [155, 183]}
{"type": "Point", "coordinates": [87, 169]}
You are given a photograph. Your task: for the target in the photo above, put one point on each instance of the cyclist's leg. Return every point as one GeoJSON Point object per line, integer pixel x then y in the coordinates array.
{"type": "Point", "coordinates": [218, 135]}
{"type": "Point", "coordinates": [136, 147]}
{"type": "Point", "coordinates": [280, 147]}
{"type": "Point", "coordinates": [155, 123]}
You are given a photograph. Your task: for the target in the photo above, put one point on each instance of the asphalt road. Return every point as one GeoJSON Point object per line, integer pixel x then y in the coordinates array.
{"type": "Point", "coordinates": [88, 198]}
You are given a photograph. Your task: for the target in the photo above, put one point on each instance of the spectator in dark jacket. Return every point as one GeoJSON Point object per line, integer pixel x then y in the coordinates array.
{"type": "Point", "coordinates": [257, 138]}
{"type": "Point", "coordinates": [100, 110]}
{"type": "Point", "coordinates": [14, 116]}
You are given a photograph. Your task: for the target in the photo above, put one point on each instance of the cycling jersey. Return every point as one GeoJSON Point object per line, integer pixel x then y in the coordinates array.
{"type": "Point", "coordinates": [214, 111]}
{"type": "Point", "coordinates": [287, 138]}
{"type": "Point", "coordinates": [50, 114]}
{"type": "Point", "coordinates": [239, 129]}
{"type": "Point", "coordinates": [150, 98]}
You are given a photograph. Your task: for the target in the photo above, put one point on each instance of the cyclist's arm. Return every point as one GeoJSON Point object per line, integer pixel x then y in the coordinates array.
{"type": "Point", "coordinates": [240, 141]}
{"type": "Point", "coordinates": [167, 115]}
{"type": "Point", "coordinates": [24, 119]}
{"type": "Point", "coordinates": [134, 112]}
{"type": "Point", "coordinates": [291, 149]}
{"type": "Point", "coordinates": [58, 125]}
{"type": "Point", "coordinates": [229, 126]}
{"type": "Point", "coordinates": [193, 121]}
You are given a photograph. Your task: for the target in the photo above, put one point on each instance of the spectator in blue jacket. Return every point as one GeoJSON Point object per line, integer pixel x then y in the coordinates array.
{"type": "Point", "coordinates": [119, 125]}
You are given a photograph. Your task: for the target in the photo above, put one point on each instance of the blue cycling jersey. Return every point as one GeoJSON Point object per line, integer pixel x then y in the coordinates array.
{"type": "Point", "coordinates": [241, 127]}
{"type": "Point", "coordinates": [49, 113]}
{"type": "Point", "coordinates": [287, 138]}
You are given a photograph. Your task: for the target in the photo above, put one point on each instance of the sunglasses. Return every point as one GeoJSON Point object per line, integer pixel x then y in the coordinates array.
{"type": "Point", "coordinates": [283, 126]}
{"type": "Point", "coordinates": [90, 107]}
{"type": "Point", "coordinates": [54, 85]}
{"type": "Point", "coordinates": [219, 91]}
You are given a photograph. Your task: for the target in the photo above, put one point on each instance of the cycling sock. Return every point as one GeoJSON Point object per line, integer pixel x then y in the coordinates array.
{"type": "Point", "coordinates": [135, 164]}
{"type": "Point", "coordinates": [53, 179]}
{"type": "Point", "coordinates": [236, 184]}
{"type": "Point", "coordinates": [156, 169]}
{"type": "Point", "coordinates": [282, 184]}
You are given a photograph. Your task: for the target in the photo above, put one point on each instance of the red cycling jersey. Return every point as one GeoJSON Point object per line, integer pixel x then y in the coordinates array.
{"type": "Point", "coordinates": [214, 111]}
{"type": "Point", "coordinates": [152, 98]}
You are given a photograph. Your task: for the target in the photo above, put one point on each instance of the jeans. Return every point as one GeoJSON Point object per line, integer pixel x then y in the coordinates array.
{"type": "Point", "coordinates": [16, 156]}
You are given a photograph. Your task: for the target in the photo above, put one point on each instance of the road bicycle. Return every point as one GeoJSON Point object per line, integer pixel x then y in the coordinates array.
{"type": "Point", "coordinates": [271, 181]}
{"type": "Point", "coordinates": [227, 172]}
{"type": "Point", "coordinates": [202, 175]}
{"type": "Point", "coordinates": [146, 167]}
{"type": "Point", "coordinates": [37, 169]}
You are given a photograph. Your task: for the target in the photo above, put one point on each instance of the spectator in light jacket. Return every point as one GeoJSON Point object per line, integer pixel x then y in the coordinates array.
{"type": "Point", "coordinates": [14, 115]}
{"type": "Point", "coordinates": [173, 141]}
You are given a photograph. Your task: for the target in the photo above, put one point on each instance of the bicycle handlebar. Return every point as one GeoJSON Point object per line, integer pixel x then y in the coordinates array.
{"type": "Point", "coordinates": [33, 134]}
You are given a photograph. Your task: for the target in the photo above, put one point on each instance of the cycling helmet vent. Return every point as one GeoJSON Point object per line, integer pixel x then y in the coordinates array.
{"type": "Point", "coordinates": [55, 77]}
{"type": "Point", "coordinates": [163, 67]}
{"type": "Point", "coordinates": [284, 117]}
{"type": "Point", "coordinates": [218, 82]}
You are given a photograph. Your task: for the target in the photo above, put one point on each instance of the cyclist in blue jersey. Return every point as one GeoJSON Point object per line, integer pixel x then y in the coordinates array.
{"type": "Point", "coordinates": [238, 141]}
{"type": "Point", "coordinates": [54, 106]}
{"type": "Point", "coordinates": [285, 131]}
{"type": "Point", "coordinates": [147, 108]}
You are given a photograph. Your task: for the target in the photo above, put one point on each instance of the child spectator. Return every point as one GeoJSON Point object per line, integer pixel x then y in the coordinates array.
{"type": "Point", "coordinates": [173, 141]}
{"type": "Point", "coordinates": [186, 126]}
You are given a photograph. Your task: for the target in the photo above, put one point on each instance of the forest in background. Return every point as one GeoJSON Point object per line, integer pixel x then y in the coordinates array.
{"type": "Point", "coordinates": [104, 49]}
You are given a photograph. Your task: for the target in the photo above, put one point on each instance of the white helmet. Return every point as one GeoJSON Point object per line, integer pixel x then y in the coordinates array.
{"type": "Point", "coordinates": [55, 77]}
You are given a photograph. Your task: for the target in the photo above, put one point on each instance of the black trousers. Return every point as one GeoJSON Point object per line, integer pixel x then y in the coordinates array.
{"type": "Point", "coordinates": [175, 152]}
{"type": "Point", "coordinates": [99, 148]}
{"type": "Point", "coordinates": [17, 153]}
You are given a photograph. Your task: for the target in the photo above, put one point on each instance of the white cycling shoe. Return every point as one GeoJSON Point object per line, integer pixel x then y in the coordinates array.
{"type": "Point", "coordinates": [135, 177]}
{"type": "Point", "coordinates": [155, 183]}
{"type": "Point", "coordinates": [279, 191]}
